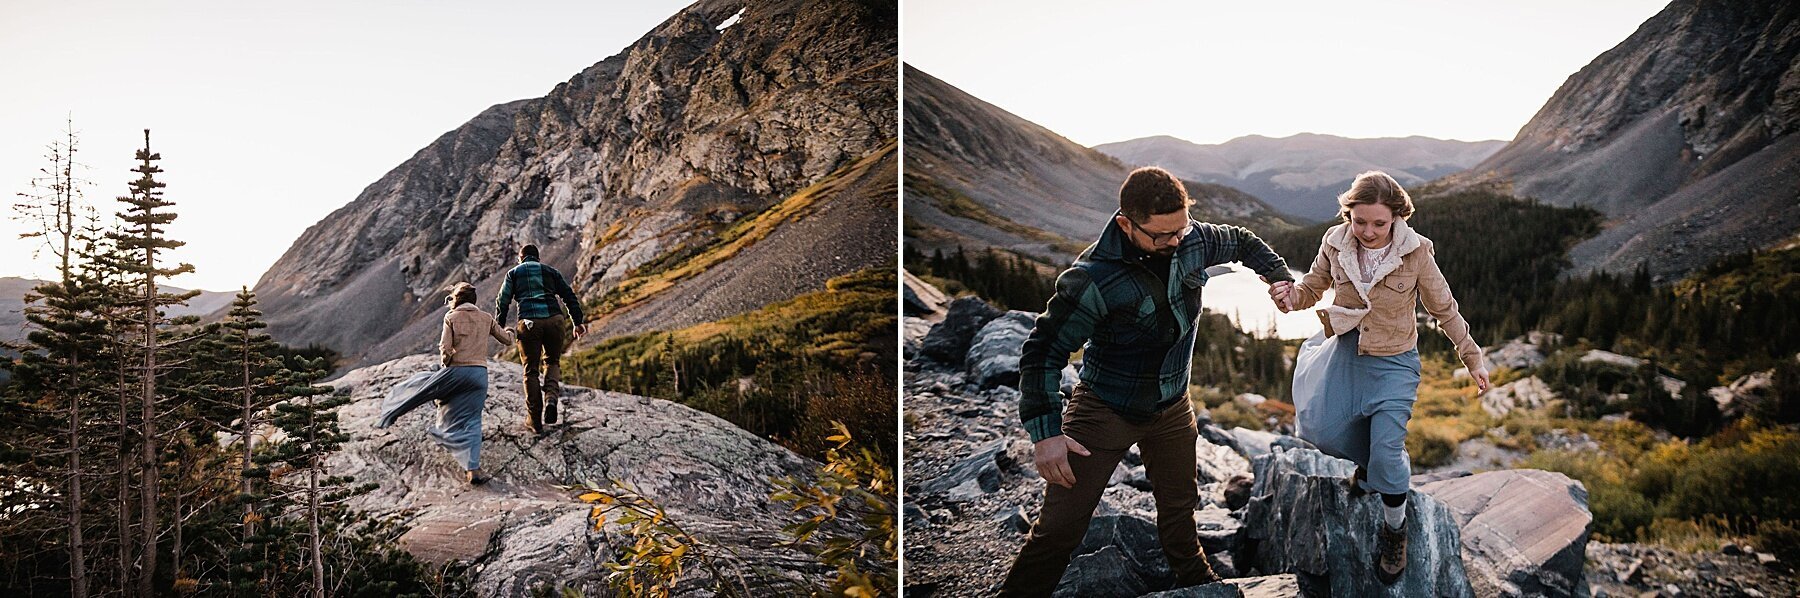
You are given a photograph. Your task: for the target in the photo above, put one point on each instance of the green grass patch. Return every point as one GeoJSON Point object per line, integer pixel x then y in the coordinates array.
{"type": "Point", "coordinates": [783, 371]}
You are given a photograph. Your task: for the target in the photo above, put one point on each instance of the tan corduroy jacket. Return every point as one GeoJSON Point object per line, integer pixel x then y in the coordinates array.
{"type": "Point", "coordinates": [1409, 276]}
{"type": "Point", "coordinates": [466, 332]}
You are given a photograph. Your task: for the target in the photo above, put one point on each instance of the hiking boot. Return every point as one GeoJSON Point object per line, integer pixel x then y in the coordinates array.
{"type": "Point", "coordinates": [1356, 482]}
{"type": "Point", "coordinates": [1390, 561]}
{"type": "Point", "coordinates": [476, 478]}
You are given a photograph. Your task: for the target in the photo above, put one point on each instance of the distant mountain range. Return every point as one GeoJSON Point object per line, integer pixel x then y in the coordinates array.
{"type": "Point", "coordinates": [1683, 135]}
{"type": "Point", "coordinates": [1301, 175]}
{"type": "Point", "coordinates": [740, 153]}
{"type": "Point", "coordinates": [978, 176]}
{"type": "Point", "coordinates": [12, 305]}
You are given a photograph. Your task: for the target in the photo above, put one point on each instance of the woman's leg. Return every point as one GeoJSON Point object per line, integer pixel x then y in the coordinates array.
{"type": "Point", "coordinates": [1342, 430]}
{"type": "Point", "coordinates": [458, 427]}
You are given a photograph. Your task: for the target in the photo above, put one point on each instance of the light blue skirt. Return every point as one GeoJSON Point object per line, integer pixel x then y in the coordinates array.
{"type": "Point", "coordinates": [1362, 411]}
{"type": "Point", "coordinates": [460, 393]}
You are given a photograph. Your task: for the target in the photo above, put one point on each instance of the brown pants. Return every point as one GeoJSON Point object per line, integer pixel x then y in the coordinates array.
{"type": "Point", "coordinates": [542, 345]}
{"type": "Point", "coordinates": [1167, 445]}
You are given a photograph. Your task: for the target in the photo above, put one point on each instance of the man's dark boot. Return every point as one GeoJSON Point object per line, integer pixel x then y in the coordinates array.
{"type": "Point", "coordinates": [1390, 562]}
{"type": "Point", "coordinates": [1356, 481]}
{"type": "Point", "coordinates": [552, 396]}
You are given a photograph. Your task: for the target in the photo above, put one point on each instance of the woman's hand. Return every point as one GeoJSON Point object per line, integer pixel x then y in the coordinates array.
{"type": "Point", "coordinates": [1481, 378]}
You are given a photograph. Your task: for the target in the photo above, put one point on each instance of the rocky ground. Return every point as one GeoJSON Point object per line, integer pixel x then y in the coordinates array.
{"type": "Point", "coordinates": [972, 492]}
{"type": "Point", "coordinates": [521, 531]}
{"type": "Point", "coordinates": [1640, 570]}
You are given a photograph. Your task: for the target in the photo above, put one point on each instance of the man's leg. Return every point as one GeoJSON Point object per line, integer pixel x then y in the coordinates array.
{"type": "Point", "coordinates": [1063, 522]}
{"type": "Point", "coordinates": [531, 348]}
{"type": "Point", "coordinates": [555, 341]}
{"type": "Point", "coordinates": [1169, 462]}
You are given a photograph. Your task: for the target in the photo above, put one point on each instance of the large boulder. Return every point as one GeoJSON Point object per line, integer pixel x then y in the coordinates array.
{"type": "Point", "coordinates": [1119, 556]}
{"type": "Point", "coordinates": [1527, 393]}
{"type": "Point", "coordinates": [993, 357]}
{"type": "Point", "coordinates": [1301, 519]}
{"type": "Point", "coordinates": [948, 342]}
{"type": "Point", "coordinates": [1524, 531]}
{"type": "Point", "coordinates": [521, 530]}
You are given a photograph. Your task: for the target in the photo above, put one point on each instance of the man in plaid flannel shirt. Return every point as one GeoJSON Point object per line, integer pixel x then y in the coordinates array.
{"type": "Point", "coordinates": [1130, 301]}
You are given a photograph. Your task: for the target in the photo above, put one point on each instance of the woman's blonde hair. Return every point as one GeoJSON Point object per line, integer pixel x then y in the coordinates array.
{"type": "Point", "coordinates": [1376, 187]}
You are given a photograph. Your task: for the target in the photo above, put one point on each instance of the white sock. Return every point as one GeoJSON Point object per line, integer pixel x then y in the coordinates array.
{"type": "Point", "coordinates": [1394, 516]}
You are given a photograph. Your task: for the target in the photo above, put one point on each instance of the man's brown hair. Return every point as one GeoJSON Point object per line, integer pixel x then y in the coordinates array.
{"type": "Point", "coordinates": [1150, 191]}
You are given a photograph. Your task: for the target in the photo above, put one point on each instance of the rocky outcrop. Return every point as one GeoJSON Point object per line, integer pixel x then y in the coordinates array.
{"type": "Point", "coordinates": [522, 529]}
{"type": "Point", "coordinates": [979, 177]}
{"type": "Point", "coordinates": [1524, 352]}
{"type": "Point", "coordinates": [1302, 174]}
{"type": "Point", "coordinates": [921, 299]}
{"type": "Point", "coordinates": [949, 340]}
{"type": "Point", "coordinates": [1682, 134]}
{"type": "Point", "coordinates": [652, 152]}
{"type": "Point", "coordinates": [1669, 384]}
{"type": "Point", "coordinates": [993, 358]}
{"type": "Point", "coordinates": [1524, 531]}
{"type": "Point", "coordinates": [1744, 394]}
{"type": "Point", "coordinates": [1302, 519]}
{"type": "Point", "coordinates": [1526, 393]}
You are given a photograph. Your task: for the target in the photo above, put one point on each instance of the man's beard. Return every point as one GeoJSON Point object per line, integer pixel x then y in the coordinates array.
{"type": "Point", "coordinates": [1164, 251]}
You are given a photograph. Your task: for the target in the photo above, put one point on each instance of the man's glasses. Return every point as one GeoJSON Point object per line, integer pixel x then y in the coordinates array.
{"type": "Point", "coordinates": [1161, 238]}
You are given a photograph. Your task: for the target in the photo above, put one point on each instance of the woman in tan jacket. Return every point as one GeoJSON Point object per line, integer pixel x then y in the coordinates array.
{"type": "Point", "coordinates": [460, 387]}
{"type": "Point", "coordinates": [1379, 269]}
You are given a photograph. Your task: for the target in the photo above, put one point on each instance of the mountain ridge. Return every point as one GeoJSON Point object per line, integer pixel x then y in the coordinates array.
{"type": "Point", "coordinates": [1301, 174]}
{"type": "Point", "coordinates": [647, 154]}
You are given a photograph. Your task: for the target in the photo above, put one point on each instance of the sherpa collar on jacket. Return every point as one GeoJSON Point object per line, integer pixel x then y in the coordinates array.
{"type": "Point", "coordinates": [1405, 241]}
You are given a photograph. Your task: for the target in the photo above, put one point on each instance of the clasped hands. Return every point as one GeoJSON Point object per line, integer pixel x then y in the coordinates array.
{"type": "Point", "coordinates": [1283, 293]}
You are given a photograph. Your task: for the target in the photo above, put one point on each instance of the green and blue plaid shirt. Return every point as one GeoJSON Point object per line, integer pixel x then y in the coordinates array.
{"type": "Point", "coordinates": [533, 284]}
{"type": "Point", "coordinates": [1111, 304]}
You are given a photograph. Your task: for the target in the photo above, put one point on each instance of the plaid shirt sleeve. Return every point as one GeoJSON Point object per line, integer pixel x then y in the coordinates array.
{"type": "Point", "coordinates": [1238, 244]}
{"type": "Point", "coordinates": [1067, 322]}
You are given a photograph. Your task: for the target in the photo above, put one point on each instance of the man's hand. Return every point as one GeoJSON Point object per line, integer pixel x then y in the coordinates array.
{"type": "Point", "coordinates": [580, 330]}
{"type": "Point", "coordinates": [1052, 458]}
{"type": "Point", "coordinates": [1282, 293]}
{"type": "Point", "coordinates": [1481, 378]}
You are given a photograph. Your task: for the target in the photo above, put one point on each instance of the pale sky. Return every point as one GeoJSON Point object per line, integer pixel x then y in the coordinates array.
{"type": "Point", "coordinates": [1208, 71]}
{"type": "Point", "coordinates": [270, 115]}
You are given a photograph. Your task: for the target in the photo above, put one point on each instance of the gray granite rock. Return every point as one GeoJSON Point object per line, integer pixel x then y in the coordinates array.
{"type": "Point", "coordinates": [948, 342]}
{"type": "Point", "coordinates": [1527, 393]}
{"type": "Point", "coordinates": [993, 357]}
{"type": "Point", "coordinates": [1217, 463]}
{"type": "Point", "coordinates": [1523, 530]}
{"type": "Point", "coordinates": [1119, 556]}
{"type": "Point", "coordinates": [520, 529]}
{"type": "Point", "coordinates": [1301, 519]}
{"type": "Point", "coordinates": [970, 478]}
